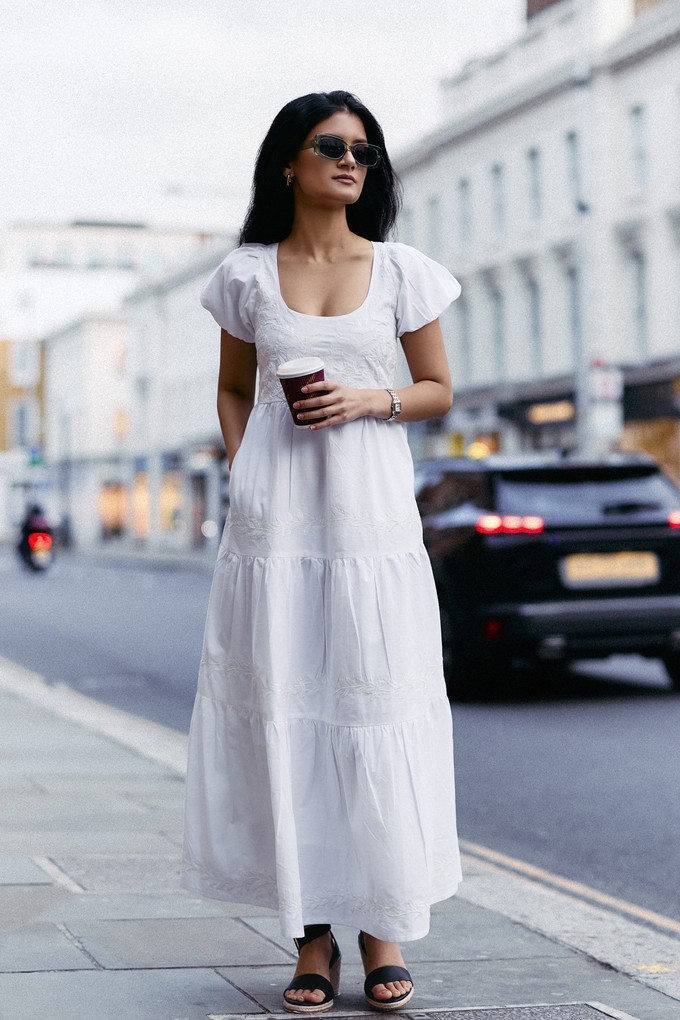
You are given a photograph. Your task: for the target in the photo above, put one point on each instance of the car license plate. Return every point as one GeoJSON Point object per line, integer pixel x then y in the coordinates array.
{"type": "Point", "coordinates": [605, 570]}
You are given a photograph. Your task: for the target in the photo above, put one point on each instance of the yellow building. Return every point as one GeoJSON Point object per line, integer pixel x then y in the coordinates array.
{"type": "Point", "coordinates": [21, 435]}
{"type": "Point", "coordinates": [21, 395]}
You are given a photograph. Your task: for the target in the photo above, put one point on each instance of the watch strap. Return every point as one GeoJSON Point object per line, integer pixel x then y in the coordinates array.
{"type": "Point", "coordinates": [396, 405]}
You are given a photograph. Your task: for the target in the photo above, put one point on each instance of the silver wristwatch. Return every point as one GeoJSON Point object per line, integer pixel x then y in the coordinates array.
{"type": "Point", "coordinates": [396, 406]}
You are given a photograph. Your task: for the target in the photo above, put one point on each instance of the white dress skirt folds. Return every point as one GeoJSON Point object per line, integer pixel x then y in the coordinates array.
{"type": "Point", "coordinates": [320, 772]}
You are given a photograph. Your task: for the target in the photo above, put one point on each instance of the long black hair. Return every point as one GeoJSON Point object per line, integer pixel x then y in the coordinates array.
{"type": "Point", "coordinates": [272, 205]}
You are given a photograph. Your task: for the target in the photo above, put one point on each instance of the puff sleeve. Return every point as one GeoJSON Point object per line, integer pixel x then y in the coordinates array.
{"type": "Point", "coordinates": [230, 293]}
{"type": "Point", "coordinates": [424, 287]}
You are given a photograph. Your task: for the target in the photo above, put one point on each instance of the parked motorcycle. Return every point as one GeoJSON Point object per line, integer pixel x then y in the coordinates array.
{"type": "Point", "coordinates": [36, 544]}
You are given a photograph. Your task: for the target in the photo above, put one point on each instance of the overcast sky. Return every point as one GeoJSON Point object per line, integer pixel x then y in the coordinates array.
{"type": "Point", "coordinates": [154, 109]}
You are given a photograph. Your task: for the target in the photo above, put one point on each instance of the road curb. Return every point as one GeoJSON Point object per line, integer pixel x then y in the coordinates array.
{"type": "Point", "coordinates": [157, 743]}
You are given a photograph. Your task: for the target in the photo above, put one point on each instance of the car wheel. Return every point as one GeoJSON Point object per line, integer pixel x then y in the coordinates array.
{"type": "Point", "coordinates": [671, 661]}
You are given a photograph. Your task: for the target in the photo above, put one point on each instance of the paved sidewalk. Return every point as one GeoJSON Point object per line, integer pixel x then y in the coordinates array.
{"type": "Point", "coordinates": [94, 927]}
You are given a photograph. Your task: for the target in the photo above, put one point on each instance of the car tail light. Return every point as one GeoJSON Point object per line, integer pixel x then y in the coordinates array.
{"type": "Point", "coordinates": [492, 629]}
{"type": "Point", "coordinates": [513, 524]}
{"type": "Point", "coordinates": [674, 519]}
{"type": "Point", "coordinates": [39, 541]}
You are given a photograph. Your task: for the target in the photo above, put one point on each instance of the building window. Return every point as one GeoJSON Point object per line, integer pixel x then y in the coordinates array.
{"type": "Point", "coordinates": [23, 423]}
{"type": "Point", "coordinates": [63, 257]}
{"type": "Point", "coordinates": [639, 148]}
{"type": "Point", "coordinates": [498, 331]}
{"type": "Point", "coordinates": [113, 509]}
{"type": "Point", "coordinates": [95, 259]}
{"type": "Point", "coordinates": [574, 171]}
{"type": "Point", "coordinates": [124, 259]}
{"type": "Point", "coordinates": [434, 226]}
{"type": "Point", "coordinates": [464, 214]}
{"type": "Point", "coordinates": [639, 266]}
{"type": "Point", "coordinates": [535, 325]}
{"type": "Point", "coordinates": [535, 184]}
{"type": "Point", "coordinates": [119, 353]}
{"type": "Point", "coordinates": [24, 370]}
{"type": "Point", "coordinates": [171, 502]}
{"type": "Point", "coordinates": [464, 338]}
{"type": "Point", "coordinates": [498, 198]}
{"type": "Point", "coordinates": [575, 318]}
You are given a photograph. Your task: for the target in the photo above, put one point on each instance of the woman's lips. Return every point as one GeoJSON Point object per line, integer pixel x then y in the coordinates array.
{"type": "Point", "coordinates": [345, 178]}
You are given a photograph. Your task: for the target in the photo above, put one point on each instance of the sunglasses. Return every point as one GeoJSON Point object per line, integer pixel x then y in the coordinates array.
{"type": "Point", "coordinates": [335, 148]}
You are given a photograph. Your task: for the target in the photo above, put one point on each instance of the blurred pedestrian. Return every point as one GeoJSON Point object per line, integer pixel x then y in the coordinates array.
{"type": "Point", "coordinates": [320, 779]}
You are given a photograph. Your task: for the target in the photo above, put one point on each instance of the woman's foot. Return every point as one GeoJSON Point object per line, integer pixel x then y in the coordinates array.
{"type": "Point", "coordinates": [377, 954]}
{"type": "Point", "coordinates": [313, 959]}
{"type": "Point", "coordinates": [317, 976]}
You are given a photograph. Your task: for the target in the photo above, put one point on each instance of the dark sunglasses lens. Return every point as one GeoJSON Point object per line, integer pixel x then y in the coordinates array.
{"type": "Point", "coordinates": [331, 148]}
{"type": "Point", "coordinates": [366, 155]}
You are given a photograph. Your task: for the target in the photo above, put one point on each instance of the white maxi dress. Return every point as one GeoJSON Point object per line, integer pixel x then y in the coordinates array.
{"type": "Point", "coordinates": [320, 771]}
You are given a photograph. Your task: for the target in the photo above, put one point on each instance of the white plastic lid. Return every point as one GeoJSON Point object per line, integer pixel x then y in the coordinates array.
{"type": "Point", "coordinates": [299, 366]}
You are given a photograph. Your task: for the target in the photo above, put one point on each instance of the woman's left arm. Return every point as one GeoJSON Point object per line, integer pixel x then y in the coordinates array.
{"type": "Point", "coordinates": [429, 396]}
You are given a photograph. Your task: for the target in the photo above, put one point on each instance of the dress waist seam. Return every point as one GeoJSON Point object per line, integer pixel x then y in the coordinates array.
{"type": "Point", "coordinates": [288, 720]}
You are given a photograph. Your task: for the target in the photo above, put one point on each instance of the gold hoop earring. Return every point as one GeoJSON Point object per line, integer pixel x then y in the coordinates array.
{"type": "Point", "coordinates": [289, 180]}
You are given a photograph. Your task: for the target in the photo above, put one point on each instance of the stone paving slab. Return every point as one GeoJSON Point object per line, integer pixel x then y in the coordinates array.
{"type": "Point", "coordinates": [563, 1011]}
{"type": "Point", "coordinates": [462, 931]}
{"type": "Point", "coordinates": [480, 983]}
{"type": "Point", "coordinates": [28, 904]}
{"type": "Point", "coordinates": [37, 842]}
{"type": "Point", "coordinates": [39, 947]}
{"type": "Point", "coordinates": [111, 811]}
{"type": "Point", "coordinates": [143, 873]}
{"type": "Point", "coordinates": [21, 871]}
{"type": "Point", "coordinates": [121, 995]}
{"type": "Point", "coordinates": [163, 787]}
{"type": "Point", "coordinates": [54, 747]}
{"type": "Point", "coordinates": [174, 942]}
{"type": "Point", "coordinates": [137, 906]}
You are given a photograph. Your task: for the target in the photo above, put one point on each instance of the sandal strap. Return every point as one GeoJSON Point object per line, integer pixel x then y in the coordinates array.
{"type": "Point", "coordinates": [308, 983]}
{"type": "Point", "coordinates": [381, 975]}
{"type": "Point", "coordinates": [312, 931]}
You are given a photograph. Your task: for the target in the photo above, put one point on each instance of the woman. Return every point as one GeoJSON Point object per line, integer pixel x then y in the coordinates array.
{"type": "Point", "coordinates": [320, 766]}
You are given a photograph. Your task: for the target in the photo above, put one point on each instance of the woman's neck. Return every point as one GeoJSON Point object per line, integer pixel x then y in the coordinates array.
{"type": "Point", "coordinates": [320, 234]}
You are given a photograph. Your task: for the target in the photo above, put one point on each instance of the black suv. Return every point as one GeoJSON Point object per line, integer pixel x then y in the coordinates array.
{"type": "Point", "coordinates": [542, 559]}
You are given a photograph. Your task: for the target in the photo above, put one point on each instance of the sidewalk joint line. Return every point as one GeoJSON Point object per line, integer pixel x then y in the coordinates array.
{"type": "Point", "coordinates": [66, 931]}
{"type": "Point", "coordinates": [241, 990]}
{"type": "Point", "coordinates": [271, 942]}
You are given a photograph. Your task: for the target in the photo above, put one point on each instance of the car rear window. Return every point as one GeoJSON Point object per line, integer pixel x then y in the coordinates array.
{"type": "Point", "coordinates": [588, 494]}
{"type": "Point", "coordinates": [440, 491]}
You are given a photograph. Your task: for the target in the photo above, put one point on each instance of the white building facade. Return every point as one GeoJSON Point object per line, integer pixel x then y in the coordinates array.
{"type": "Point", "coordinates": [552, 190]}
{"type": "Point", "coordinates": [133, 444]}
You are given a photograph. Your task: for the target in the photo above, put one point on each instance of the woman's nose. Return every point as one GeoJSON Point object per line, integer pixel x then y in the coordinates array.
{"type": "Point", "coordinates": [347, 159]}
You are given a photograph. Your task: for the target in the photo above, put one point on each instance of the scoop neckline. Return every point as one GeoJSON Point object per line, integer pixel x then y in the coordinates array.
{"type": "Point", "coordinates": [307, 315]}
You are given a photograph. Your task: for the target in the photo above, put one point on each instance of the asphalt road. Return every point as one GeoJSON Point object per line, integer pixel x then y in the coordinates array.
{"type": "Point", "coordinates": [580, 776]}
{"type": "Point", "coordinates": [126, 635]}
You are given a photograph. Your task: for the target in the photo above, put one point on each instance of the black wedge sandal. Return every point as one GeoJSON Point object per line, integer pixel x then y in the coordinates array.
{"type": "Point", "coordinates": [380, 976]}
{"type": "Point", "coordinates": [308, 982]}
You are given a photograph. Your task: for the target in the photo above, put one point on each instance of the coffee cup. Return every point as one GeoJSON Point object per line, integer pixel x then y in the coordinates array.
{"type": "Point", "coordinates": [295, 374]}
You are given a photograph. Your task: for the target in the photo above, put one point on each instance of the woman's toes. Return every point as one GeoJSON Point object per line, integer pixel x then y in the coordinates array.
{"type": "Point", "coordinates": [303, 995]}
{"type": "Point", "coordinates": [392, 990]}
